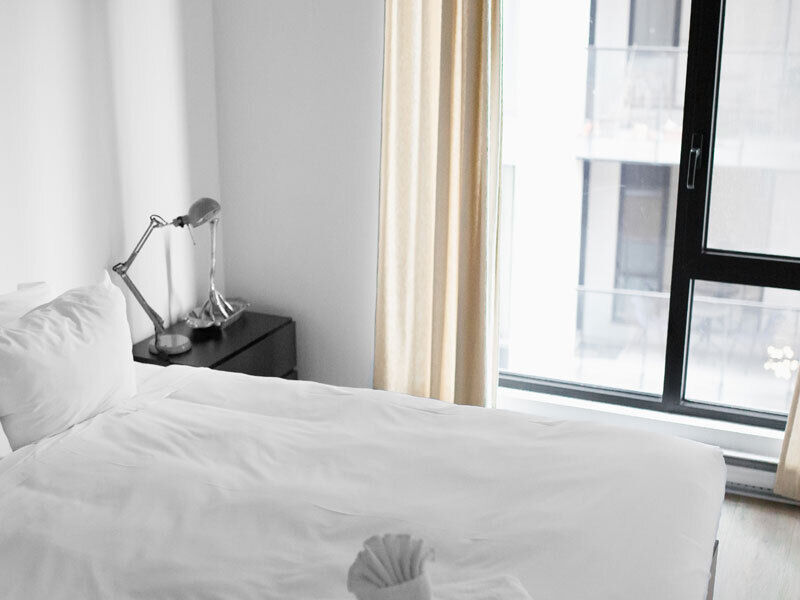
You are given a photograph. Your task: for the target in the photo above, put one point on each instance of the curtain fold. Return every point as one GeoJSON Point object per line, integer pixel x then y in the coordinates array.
{"type": "Point", "coordinates": [436, 317]}
{"type": "Point", "coordinates": [787, 481]}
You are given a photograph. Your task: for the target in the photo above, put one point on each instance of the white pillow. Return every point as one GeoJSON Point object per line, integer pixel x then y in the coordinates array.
{"type": "Point", "coordinates": [64, 362]}
{"type": "Point", "coordinates": [27, 297]}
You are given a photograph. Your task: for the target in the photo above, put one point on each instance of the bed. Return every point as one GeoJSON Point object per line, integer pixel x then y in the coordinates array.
{"type": "Point", "coordinates": [208, 484]}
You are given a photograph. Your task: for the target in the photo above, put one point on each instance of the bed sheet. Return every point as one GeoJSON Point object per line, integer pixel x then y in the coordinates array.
{"type": "Point", "coordinates": [144, 371]}
{"type": "Point", "coordinates": [221, 485]}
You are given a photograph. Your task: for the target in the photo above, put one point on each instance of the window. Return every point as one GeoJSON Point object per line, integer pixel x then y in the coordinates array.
{"type": "Point", "coordinates": [651, 246]}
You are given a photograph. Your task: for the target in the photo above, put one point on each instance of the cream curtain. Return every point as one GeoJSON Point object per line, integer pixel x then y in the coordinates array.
{"type": "Point", "coordinates": [436, 324]}
{"type": "Point", "coordinates": [787, 482]}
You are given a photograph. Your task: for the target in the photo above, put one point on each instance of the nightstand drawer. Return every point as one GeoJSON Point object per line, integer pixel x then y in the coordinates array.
{"type": "Point", "coordinates": [273, 356]}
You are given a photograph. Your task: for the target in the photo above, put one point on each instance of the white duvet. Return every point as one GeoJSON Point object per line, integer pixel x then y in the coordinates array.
{"type": "Point", "coordinates": [218, 485]}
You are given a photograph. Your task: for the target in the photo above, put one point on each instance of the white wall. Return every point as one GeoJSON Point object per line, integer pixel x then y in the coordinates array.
{"type": "Point", "coordinates": [299, 97]}
{"type": "Point", "coordinates": [162, 76]}
{"type": "Point", "coordinates": [107, 114]}
{"type": "Point", "coordinates": [57, 149]}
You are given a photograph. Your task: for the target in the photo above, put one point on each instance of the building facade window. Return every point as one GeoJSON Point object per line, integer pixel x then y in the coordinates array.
{"type": "Point", "coordinates": [642, 230]}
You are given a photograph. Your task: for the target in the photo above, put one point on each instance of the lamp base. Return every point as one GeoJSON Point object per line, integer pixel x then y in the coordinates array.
{"type": "Point", "coordinates": [208, 315]}
{"type": "Point", "coordinates": [170, 343]}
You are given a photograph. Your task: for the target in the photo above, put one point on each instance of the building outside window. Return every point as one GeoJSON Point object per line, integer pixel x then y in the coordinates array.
{"type": "Point", "coordinates": [592, 152]}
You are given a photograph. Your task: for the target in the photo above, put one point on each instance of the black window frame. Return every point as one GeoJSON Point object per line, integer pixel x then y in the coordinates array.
{"type": "Point", "coordinates": [692, 259]}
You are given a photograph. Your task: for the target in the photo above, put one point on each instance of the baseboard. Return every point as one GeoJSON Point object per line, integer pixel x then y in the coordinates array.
{"type": "Point", "coordinates": [754, 491]}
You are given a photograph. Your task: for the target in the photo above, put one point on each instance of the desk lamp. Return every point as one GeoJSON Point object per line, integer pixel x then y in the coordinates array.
{"type": "Point", "coordinates": [200, 212]}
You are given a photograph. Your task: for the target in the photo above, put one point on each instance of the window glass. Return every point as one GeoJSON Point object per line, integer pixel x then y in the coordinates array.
{"type": "Point", "coordinates": [756, 175]}
{"type": "Point", "coordinates": [587, 277]}
{"type": "Point", "coordinates": [744, 346]}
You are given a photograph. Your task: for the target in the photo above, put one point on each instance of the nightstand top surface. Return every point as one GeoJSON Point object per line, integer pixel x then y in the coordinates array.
{"type": "Point", "coordinates": [212, 347]}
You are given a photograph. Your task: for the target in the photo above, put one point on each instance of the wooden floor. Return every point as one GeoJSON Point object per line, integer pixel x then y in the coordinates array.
{"type": "Point", "coordinates": [759, 551]}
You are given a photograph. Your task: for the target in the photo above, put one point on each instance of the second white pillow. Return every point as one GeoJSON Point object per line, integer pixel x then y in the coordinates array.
{"type": "Point", "coordinates": [27, 297]}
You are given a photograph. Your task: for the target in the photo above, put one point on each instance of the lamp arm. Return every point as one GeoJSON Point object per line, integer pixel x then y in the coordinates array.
{"type": "Point", "coordinates": [121, 269]}
{"type": "Point", "coordinates": [158, 322]}
{"type": "Point", "coordinates": [155, 223]}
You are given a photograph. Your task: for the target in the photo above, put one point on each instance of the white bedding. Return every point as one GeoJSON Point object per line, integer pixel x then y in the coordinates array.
{"type": "Point", "coordinates": [219, 485]}
{"type": "Point", "coordinates": [143, 372]}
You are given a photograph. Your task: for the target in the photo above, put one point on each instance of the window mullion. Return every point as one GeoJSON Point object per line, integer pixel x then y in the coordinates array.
{"type": "Point", "coordinates": [693, 188]}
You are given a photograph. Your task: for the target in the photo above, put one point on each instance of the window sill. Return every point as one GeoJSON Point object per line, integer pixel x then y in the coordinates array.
{"type": "Point", "coordinates": [750, 452]}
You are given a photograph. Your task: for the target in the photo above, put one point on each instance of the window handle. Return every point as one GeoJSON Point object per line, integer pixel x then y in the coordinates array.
{"type": "Point", "coordinates": [694, 159]}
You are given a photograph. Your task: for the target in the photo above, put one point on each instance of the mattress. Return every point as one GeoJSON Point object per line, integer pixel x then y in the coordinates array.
{"type": "Point", "coordinates": [221, 485]}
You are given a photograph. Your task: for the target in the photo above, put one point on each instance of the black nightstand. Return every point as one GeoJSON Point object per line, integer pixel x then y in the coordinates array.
{"type": "Point", "coordinates": [256, 344]}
